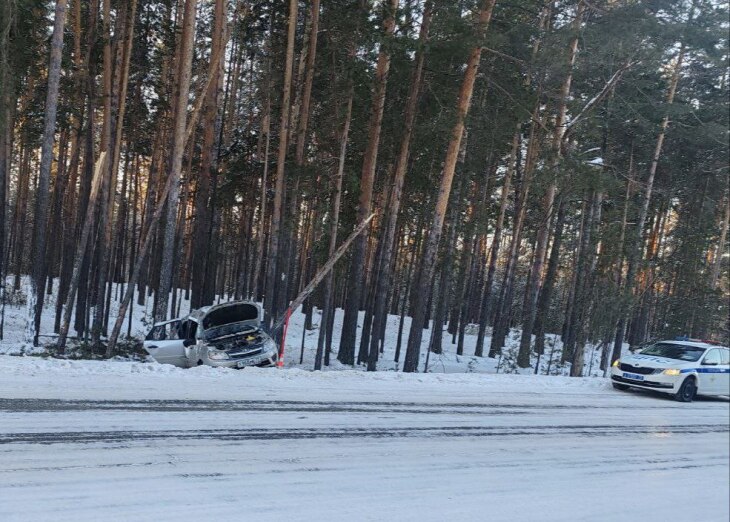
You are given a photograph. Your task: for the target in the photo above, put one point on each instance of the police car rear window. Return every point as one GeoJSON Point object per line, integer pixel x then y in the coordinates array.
{"type": "Point", "coordinates": [674, 351]}
{"type": "Point", "coordinates": [725, 356]}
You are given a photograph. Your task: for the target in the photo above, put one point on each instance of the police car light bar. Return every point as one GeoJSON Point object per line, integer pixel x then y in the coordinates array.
{"type": "Point", "coordinates": [688, 339]}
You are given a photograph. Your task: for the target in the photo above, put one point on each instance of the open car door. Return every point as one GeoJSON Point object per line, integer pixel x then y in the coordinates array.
{"type": "Point", "coordinates": [166, 344]}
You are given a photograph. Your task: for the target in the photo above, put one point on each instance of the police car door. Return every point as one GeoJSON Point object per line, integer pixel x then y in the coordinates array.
{"type": "Point", "coordinates": [724, 377]}
{"type": "Point", "coordinates": [712, 373]}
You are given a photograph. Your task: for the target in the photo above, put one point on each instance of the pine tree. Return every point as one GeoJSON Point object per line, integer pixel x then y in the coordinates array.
{"type": "Point", "coordinates": [428, 261]}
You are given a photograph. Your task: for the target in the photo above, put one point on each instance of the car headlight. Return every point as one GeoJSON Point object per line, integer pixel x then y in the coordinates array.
{"type": "Point", "coordinates": [270, 346]}
{"type": "Point", "coordinates": [217, 355]}
{"type": "Point", "coordinates": [671, 371]}
{"type": "Point", "coordinates": [616, 363]}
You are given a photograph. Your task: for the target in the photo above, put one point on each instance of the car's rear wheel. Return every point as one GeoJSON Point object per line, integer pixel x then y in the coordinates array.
{"type": "Point", "coordinates": [622, 387]}
{"type": "Point", "coordinates": [687, 391]}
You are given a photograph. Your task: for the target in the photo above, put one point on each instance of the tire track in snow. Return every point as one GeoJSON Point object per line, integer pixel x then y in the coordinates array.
{"type": "Point", "coordinates": [54, 405]}
{"type": "Point", "coordinates": [86, 437]}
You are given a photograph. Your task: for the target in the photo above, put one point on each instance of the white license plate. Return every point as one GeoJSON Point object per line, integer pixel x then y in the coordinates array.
{"type": "Point", "coordinates": [633, 376]}
{"type": "Point", "coordinates": [250, 362]}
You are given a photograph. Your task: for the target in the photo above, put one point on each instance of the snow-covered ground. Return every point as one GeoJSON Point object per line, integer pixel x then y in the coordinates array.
{"type": "Point", "coordinates": [85, 440]}
{"type": "Point", "coordinates": [301, 344]}
{"type": "Point", "coordinates": [473, 439]}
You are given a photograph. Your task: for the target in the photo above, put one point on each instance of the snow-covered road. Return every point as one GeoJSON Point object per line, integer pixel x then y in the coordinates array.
{"type": "Point", "coordinates": [111, 442]}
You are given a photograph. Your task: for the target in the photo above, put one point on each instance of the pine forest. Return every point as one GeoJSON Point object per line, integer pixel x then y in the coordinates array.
{"type": "Point", "coordinates": [510, 169]}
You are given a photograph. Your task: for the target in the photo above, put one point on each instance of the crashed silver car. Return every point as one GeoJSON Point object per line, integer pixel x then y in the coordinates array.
{"type": "Point", "coordinates": [227, 335]}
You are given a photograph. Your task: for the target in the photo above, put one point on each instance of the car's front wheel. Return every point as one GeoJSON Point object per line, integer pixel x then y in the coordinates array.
{"type": "Point", "coordinates": [687, 391]}
{"type": "Point", "coordinates": [622, 387]}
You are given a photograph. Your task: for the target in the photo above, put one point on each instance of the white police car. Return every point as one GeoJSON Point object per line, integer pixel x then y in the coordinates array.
{"type": "Point", "coordinates": [682, 368]}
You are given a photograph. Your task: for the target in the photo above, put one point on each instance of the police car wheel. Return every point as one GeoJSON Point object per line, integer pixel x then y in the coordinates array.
{"type": "Point", "coordinates": [622, 387]}
{"type": "Point", "coordinates": [687, 391]}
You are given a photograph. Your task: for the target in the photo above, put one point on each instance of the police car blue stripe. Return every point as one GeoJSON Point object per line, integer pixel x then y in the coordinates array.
{"type": "Point", "coordinates": [705, 370]}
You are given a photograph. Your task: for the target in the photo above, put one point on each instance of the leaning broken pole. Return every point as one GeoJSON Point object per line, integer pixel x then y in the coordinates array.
{"type": "Point", "coordinates": [318, 277]}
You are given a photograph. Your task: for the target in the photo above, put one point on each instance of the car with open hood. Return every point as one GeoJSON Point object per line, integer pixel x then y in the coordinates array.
{"type": "Point", "coordinates": [228, 335]}
{"type": "Point", "coordinates": [682, 368]}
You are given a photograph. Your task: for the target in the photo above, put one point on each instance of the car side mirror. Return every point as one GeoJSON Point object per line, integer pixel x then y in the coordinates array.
{"type": "Point", "coordinates": [709, 363]}
{"type": "Point", "coordinates": [188, 342]}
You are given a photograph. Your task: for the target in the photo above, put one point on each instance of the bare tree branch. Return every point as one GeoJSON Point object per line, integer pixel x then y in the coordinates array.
{"type": "Point", "coordinates": [610, 84]}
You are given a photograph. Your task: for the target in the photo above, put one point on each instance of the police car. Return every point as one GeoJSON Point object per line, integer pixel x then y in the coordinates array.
{"type": "Point", "coordinates": [682, 368]}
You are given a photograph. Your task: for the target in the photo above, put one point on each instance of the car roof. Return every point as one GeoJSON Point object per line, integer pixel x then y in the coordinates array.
{"type": "Point", "coordinates": [198, 313]}
{"type": "Point", "coordinates": [163, 323]}
{"type": "Point", "coordinates": [696, 344]}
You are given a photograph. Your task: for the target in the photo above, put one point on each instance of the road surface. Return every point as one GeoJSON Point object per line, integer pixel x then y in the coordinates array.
{"type": "Point", "coordinates": [491, 455]}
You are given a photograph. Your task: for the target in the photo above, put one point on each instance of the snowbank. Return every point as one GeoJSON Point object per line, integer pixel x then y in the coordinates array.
{"type": "Point", "coordinates": [26, 376]}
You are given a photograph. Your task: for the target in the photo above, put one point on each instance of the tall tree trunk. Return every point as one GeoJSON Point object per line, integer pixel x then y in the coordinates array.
{"type": "Point", "coordinates": [638, 240]}
{"type": "Point", "coordinates": [54, 223]}
{"type": "Point", "coordinates": [328, 308]}
{"type": "Point", "coordinates": [178, 148]}
{"type": "Point", "coordinates": [429, 255]}
{"type": "Point", "coordinates": [522, 189]}
{"type": "Point", "coordinates": [442, 304]}
{"type": "Point", "coordinates": [124, 34]}
{"type": "Point", "coordinates": [486, 292]}
{"type": "Point", "coordinates": [81, 250]}
{"type": "Point", "coordinates": [463, 264]}
{"type": "Point", "coordinates": [380, 312]}
{"type": "Point", "coordinates": [587, 267]}
{"type": "Point", "coordinates": [580, 277]}
{"type": "Point", "coordinates": [468, 294]}
{"type": "Point", "coordinates": [303, 121]}
{"type": "Point", "coordinates": [5, 157]}
{"type": "Point", "coordinates": [276, 267]}
{"type": "Point", "coordinates": [261, 232]}
{"type": "Point", "coordinates": [7, 15]}
{"type": "Point", "coordinates": [504, 304]}
{"type": "Point", "coordinates": [535, 276]}
{"type": "Point", "coordinates": [301, 160]}
{"type": "Point", "coordinates": [546, 292]}
{"type": "Point", "coordinates": [143, 249]}
{"type": "Point", "coordinates": [346, 354]}
{"type": "Point", "coordinates": [408, 297]}
{"type": "Point", "coordinates": [89, 67]}
{"type": "Point", "coordinates": [35, 299]}
{"type": "Point", "coordinates": [203, 214]}
{"type": "Point", "coordinates": [17, 237]}
{"type": "Point", "coordinates": [99, 248]}
{"type": "Point", "coordinates": [720, 252]}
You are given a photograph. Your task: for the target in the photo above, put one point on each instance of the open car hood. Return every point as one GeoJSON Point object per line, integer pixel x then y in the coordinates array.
{"type": "Point", "coordinates": [236, 312]}
{"type": "Point", "coordinates": [229, 318]}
